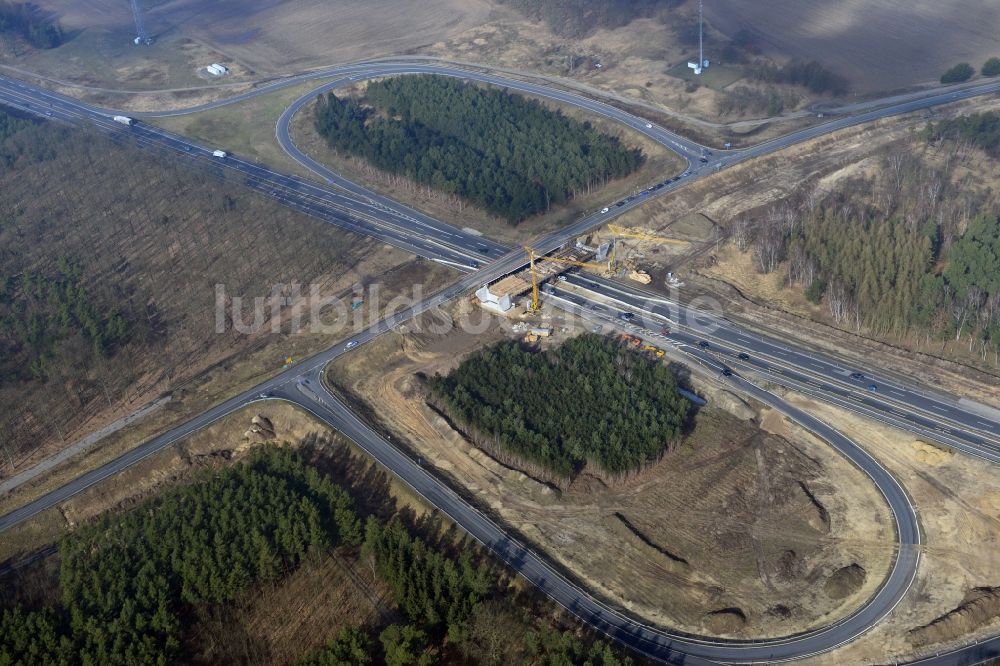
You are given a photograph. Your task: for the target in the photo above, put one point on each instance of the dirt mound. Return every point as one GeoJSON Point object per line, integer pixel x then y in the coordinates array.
{"type": "Point", "coordinates": [261, 430]}
{"type": "Point", "coordinates": [845, 581]}
{"type": "Point", "coordinates": [725, 621]}
{"type": "Point", "coordinates": [820, 518]}
{"type": "Point", "coordinates": [263, 422]}
{"type": "Point", "coordinates": [676, 561]}
{"type": "Point", "coordinates": [929, 454]}
{"type": "Point", "coordinates": [980, 606]}
{"type": "Point", "coordinates": [729, 402]}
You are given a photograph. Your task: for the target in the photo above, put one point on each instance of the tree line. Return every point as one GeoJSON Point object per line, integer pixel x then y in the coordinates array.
{"type": "Point", "coordinates": [905, 254]}
{"type": "Point", "coordinates": [27, 21]}
{"type": "Point", "coordinates": [589, 401]}
{"type": "Point", "coordinates": [507, 154]}
{"type": "Point", "coordinates": [131, 583]}
{"type": "Point", "coordinates": [41, 313]}
{"type": "Point", "coordinates": [981, 130]}
{"type": "Point", "coordinates": [126, 580]}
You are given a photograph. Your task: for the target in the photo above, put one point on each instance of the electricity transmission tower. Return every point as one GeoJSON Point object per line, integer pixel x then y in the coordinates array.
{"type": "Point", "coordinates": [140, 30]}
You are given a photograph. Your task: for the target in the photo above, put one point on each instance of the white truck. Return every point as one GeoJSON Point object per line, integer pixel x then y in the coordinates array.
{"type": "Point", "coordinates": [124, 120]}
{"type": "Point", "coordinates": [220, 153]}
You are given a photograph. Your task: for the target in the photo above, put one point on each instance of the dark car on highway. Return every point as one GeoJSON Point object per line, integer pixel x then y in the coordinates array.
{"type": "Point", "coordinates": [703, 344]}
{"type": "Point", "coordinates": [743, 356]}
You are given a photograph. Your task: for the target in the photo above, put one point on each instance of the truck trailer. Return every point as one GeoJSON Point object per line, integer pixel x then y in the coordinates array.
{"type": "Point", "coordinates": [124, 120]}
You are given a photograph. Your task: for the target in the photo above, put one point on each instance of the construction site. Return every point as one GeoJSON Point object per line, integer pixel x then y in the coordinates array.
{"type": "Point", "coordinates": [803, 535]}
{"type": "Point", "coordinates": [612, 252]}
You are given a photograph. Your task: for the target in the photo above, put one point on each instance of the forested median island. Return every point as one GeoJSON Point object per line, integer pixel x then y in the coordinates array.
{"type": "Point", "coordinates": [503, 152]}
{"type": "Point", "coordinates": [137, 587]}
{"type": "Point", "coordinates": [588, 402]}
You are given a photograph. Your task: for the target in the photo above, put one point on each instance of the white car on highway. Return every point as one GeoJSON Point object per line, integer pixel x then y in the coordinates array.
{"type": "Point", "coordinates": [604, 210]}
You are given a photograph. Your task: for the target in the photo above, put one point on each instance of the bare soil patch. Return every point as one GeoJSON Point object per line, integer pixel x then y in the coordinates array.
{"type": "Point", "coordinates": [735, 518]}
{"type": "Point", "coordinates": [876, 44]}
{"type": "Point", "coordinates": [979, 608]}
{"type": "Point", "coordinates": [958, 504]}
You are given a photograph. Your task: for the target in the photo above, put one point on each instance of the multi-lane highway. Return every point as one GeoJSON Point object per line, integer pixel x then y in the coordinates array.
{"type": "Point", "coordinates": [363, 211]}
{"type": "Point", "coordinates": [869, 392]}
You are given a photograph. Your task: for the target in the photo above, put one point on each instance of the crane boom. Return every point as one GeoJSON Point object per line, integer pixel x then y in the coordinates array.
{"type": "Point", "coordinates": [535, 302]}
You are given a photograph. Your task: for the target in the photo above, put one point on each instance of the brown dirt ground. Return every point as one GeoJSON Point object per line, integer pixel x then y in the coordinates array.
{"type": "Point", "coordinates": [958, 503]}
{"type": "Point", "coordinates": [279, 623]}
{"type": "Point", "coordinates": [756, 520]}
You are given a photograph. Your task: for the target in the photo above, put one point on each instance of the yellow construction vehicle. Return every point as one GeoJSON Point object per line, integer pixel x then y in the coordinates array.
{"type": "Point", "coordinates": [656, 351]}
{"type": "Point", "coordinates": [535, 302]}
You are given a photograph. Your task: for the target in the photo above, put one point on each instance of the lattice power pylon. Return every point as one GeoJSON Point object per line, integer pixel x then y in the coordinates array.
{"type": "Point", "coordinates": [140, 30]}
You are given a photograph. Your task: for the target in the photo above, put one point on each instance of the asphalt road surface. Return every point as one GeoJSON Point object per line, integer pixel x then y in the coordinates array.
{"type": "Point", "coordinates": [386, 220]}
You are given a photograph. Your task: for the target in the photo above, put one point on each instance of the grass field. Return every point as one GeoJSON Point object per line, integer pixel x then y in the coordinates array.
{"type": "Point", "coordinates": [716, 77]}
{"type": "Point", "coordinates": [876, 44]}
{"type": "Point", "coordinates": [246, 129]}
{"type": "Point", "coordinates": [254, 37]}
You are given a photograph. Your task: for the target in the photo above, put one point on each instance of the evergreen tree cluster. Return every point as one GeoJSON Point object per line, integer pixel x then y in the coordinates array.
{"type": "Point", "coordinates": [812, 75]}
{"type": "Point", "coordinates": [880, 264]}
{"type": "Point", "coordinates": [963, 71]}
{"type": "Point", "coordinates": [978, 129]}
{"type": "Point", "coordinates": [561, 648]}
{"type": "Point", "coordinates": [905, 255]}
{"type": "Point", "coordinates": [39, 313]}
{"type": "Point", "coordinates": [126, 579]}
{"type": "Point", "coordinates": [588, 401]}
{"type": "Point", "coordinates": [11, 124]}
{"type": "Point", "coordinates": [27, 21]}
{"type": "Point", "coordinates": [431, 589]}
{"type": "Point", "coordinates": [510, 155]}
{"type": "Point", "coordinates": [884, 276]}
{"type": "Point", "coordinates": [351, 647]}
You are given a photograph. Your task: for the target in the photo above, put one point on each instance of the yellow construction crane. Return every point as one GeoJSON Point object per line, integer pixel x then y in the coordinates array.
{"type": "Point", "coordinates": [535, 302]}
{"type": "Point", "coordinates": [638, 234]}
